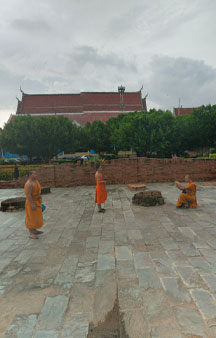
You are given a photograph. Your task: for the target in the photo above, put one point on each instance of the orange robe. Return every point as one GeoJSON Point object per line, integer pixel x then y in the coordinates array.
{"type": "Point", "coordinates": [188, 199]}
{"type": "Point", "coordinates": [34, 218]}
{"type": "Point", "coordinates": [100, 194]}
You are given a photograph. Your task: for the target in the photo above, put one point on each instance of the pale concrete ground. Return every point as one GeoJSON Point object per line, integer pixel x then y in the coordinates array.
{"type": "Point", "coordinates": [160, 262]}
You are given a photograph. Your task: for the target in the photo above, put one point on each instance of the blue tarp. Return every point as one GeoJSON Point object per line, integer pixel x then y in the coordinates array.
{"type": "Point", "coordinates": [8, 155]}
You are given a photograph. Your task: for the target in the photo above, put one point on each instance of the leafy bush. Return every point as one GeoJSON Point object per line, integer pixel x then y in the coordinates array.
{"type": "Point", "coordinates": [213, 155]}
{"type": "Point", "coordinates": [6, 175]}
{"type": "Point", "coordinates": [109, 156]}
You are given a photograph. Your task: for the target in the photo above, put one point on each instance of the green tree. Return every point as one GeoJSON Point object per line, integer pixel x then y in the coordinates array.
{"type": "Point", "coordinates": [97, 136]}
{"type": "Point", "coordinates": [41, 137]}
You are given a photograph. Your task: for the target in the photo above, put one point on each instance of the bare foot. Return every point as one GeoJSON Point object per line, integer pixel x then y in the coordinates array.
{"type": "Point", "coordinates": [32, 235]}
{"type": "Point", "coordinates": [37, 232]}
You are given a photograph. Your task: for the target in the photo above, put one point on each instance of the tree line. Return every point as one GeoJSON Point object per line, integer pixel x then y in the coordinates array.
{"type": "Point", "coordinates": [156, 132]}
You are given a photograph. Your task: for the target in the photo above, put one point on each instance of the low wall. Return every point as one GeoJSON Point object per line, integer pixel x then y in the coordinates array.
{"type": "Point", "coordinates": [123, 171]}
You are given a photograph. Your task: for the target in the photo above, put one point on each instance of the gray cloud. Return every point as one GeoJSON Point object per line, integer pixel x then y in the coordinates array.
{"type": "Point", "coordinates": [10, 84]}
{"type": "Point", "coordinates": [31, 26]}
{"type": "Point", "coordinates": [85, 56]}
{"type": "Point", "coordinates": [191, 80]}
{"type": "Point", "coordinates": [50, 46]}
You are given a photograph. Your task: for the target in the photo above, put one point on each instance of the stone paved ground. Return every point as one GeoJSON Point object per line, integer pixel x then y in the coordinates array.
{"type": "Point", "coordinates": [159, 262]}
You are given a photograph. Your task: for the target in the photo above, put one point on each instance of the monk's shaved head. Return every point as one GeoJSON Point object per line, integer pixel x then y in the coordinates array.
{"type": "Point", "coordinates": [187, 178]}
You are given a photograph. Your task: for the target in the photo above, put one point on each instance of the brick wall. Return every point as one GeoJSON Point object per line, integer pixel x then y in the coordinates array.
{"type": "Point", "coordinates": [123, 171]}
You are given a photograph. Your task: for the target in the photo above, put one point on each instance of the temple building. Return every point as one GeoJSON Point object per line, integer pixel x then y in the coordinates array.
{"type": "Point", "coordinates": [182, 111]}
{"type": "Point", "coordinates": [82, 107]}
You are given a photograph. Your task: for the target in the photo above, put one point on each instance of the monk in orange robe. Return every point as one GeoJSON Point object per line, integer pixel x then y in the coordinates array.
{"type": "Point", "coordinates": [33, 205]}
{"type": "Point", "coordinates": [187, 198]}
{"type": "Point", "coordinates": [101, 194]}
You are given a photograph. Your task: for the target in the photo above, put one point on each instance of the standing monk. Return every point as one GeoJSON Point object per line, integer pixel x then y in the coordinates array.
{"type": "Point", "coordinates": [187, 198]}
{"type": "Point", "coordinates": [33, 205]}
{"type": "Point", "coordinates": [101, 194]}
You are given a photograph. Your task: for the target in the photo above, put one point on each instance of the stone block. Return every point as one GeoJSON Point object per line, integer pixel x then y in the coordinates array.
{"type": "Point", "coordinates": [136, 187]}
{"type": "Point", "coordinates": [53, 312]}
{"type": "Point", "coordinates": [148, 198]}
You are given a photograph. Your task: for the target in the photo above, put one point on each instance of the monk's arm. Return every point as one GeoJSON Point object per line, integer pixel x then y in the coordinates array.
{"type": "Point", "coordinates": [29, 197]}
{"type": "Point", "coordinates": [180, 186]}
{"type": "Point", "coordinates": [98, 179]}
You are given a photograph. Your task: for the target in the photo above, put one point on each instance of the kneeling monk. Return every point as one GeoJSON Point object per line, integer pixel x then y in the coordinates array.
{"type": "Point", "coordinates": [33, 205]}
{"type": "Point", "coordinates": [187, 198]}
{"type": "Point", "coordinates": [101, 194]}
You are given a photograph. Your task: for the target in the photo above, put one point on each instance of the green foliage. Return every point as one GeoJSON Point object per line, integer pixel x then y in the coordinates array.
{"type": "Point", "coordinates": [42, 137]}
{"type": "Point", "coordinates": [154, 133]}
{"type": "Point", "coordinates": [96, 136]}
{"type": "Point", "coordinates": [213, 155]}
{"type": "Point", "coordinates": [6, 175]}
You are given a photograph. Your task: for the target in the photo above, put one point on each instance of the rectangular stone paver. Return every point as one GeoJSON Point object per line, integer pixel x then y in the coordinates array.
{"type": "Point", "coordinates": [105, 262]}
{"type": "Point", "coordinates": [205, 302]}
{"type": "Point", "coordinates": [22, 326]}
{"type": "Point", "coordinates": [158, 262]}
{"type": "Point", "coordinates": [148, 279]}
{"type": "Point", "coordinates": [76, 326]}
{"type": "Point", "coordinates": [176, 291]}
{"type": "Point", "coordinates": [66, 275]}
{"type": "Point", "coordinates": [189, 276]}
{"type": "Point", "coordinates": [165, 332]}
{"type": "Point", "coordinates": [190, 321]}
{"type": "Point", "coordinates": [52, 315]}
{"type": "Point", "coordinates": [123, 253]}
{"type": "Point", "coordinates": [211, 282]}
{"type": "Point", "coordinates": [142, 260]}
{"type": "Point", "coordinates": [46, 334]}
{"type": "Point", "coordinates": [200, 265]}
{"type": "Point", "coordinates": [168, 244]}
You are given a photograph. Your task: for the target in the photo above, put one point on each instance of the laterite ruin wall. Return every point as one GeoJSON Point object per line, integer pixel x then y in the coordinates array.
{"type": "Point", "coordinates": [122, 171]}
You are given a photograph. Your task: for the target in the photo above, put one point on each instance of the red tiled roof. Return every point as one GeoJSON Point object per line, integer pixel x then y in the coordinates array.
{"type": "Point", "coordinates": [77, 103]}
{"type": "Point", "coordinates": [182, 111]}
{"type": "Point", "coordinates": [81, 119]}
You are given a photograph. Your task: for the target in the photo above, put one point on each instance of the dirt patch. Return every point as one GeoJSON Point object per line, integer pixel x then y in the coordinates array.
{"type": "Point", "coordinates": [111, 327]}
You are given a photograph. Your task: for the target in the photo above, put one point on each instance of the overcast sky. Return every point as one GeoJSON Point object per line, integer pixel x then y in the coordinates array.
{"type": "Point", "coordinates": [67, 46]}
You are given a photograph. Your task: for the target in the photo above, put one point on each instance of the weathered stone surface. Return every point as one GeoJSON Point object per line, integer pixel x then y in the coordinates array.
{"type": "Point", "coordinates": [45, 190]}
{"type": "Point", "coordinates": [136, 187]}
{"type": "Point", "coordinates": [161, 262]}
{"type": "Point", "coordinates": [22, 326]}
{"type": "Point", "coordinates": [148, 198]}
{"type": "Point", "coordinates": [105, 262]}
{"type": "Point", "coordinates": [123, 253]}
{"type": "Point", "coordinates": [176, 291]}
{"type": "Point", "coordinates": [76, 326]}
{"type": "Point", "coordinates": [52, 315]}
{"type": "Point", "coordinates": [190, 322]}
{"type": "Point", "coordinates": [46, 334]}
{"type": "Point", "coordinates": [165, 332]}
{"type": "Point", "coordinates": [148, 279]}
{"type": "Point", "coordinates": [205, 302]}
{"type": "Point", "coordinates": [66, 275]}
{"type": "Point", "coordinates": [13, 204]}
{"type": "Point", "coordinates": [190, 277]}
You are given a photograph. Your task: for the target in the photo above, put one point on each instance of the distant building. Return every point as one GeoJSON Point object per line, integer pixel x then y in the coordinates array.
{"type": "Point", "coordinates": [182, 111]}
{"type": "Point", "coordinates": [83, 107]}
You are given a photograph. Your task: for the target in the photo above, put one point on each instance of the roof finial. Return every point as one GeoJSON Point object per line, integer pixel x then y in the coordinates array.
{"type": "Point", "coordinates": [141, 88]}
{"type": "Point", "coordinates": [146, 96]}
{"type": "Point", "coordinates": [21, 90]}
{"type": "Point", "coordinates": [121, 89]}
